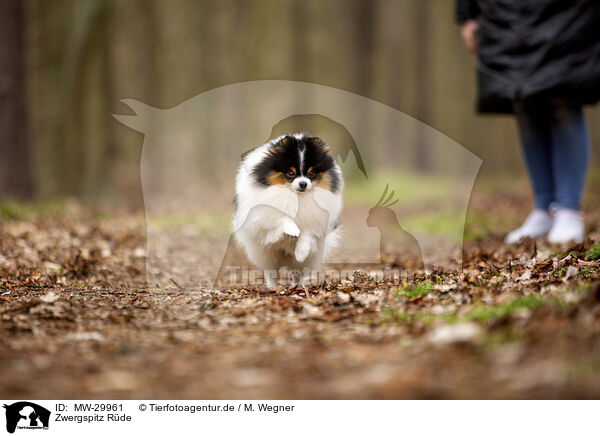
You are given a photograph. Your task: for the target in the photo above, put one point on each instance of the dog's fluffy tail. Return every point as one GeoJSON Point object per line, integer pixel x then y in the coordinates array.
{"type": "Point", "coordinates": [332, 242]}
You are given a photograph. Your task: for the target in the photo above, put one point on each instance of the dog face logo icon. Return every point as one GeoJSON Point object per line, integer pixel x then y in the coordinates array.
{"type": "Point", "coordinates": [26, 415]}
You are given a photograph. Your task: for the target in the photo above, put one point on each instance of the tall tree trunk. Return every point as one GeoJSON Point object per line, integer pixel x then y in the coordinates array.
{"type": "Point", "coordinates": [422, 96]}
{"type": "Point", "coordinates": [15, 173]}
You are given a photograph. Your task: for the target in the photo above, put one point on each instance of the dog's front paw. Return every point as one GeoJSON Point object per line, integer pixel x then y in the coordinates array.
{"type": "Point", "coordinates": [273, 236]}
{"type": "Point", "coordinates": [290, 228]}
{"type": "Point", "coordinates": [302, 250]}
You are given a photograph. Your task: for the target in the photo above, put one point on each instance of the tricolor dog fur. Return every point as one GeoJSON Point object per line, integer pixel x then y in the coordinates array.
{"type": "Point", "coordinates": [287, 206]}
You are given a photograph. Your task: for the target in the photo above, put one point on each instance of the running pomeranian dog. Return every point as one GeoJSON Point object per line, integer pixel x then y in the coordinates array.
{"type": "Point", "coordinates": [287, 206]}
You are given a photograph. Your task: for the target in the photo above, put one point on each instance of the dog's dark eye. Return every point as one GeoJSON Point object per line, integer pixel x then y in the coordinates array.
{"type": "Point", "coordinates": [311, 174]}
{"type": "Point", "coordinates": [290, 174]}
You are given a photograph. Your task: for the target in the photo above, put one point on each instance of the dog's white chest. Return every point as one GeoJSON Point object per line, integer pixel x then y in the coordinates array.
{"type": "Point", "coordinates": [311, 217]}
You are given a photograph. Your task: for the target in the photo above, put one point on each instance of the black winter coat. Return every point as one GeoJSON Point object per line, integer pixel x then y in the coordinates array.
{"type": "Point", "coordinates": [535, 48]}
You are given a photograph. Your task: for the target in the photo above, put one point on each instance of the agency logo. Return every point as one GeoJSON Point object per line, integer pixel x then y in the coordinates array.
{"type": "Point", "coordinates": [26, 415]}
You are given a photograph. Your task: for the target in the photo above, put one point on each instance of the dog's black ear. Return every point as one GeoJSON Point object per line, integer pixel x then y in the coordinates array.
{"type": "Point", "coordinates": [317, 142]}
{"type": "Point", "coordinates": [285, 140]}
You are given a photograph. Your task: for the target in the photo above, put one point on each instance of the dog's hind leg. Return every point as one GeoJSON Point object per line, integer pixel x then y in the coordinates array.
{"type": "Point", "coordinates": [270, 278]}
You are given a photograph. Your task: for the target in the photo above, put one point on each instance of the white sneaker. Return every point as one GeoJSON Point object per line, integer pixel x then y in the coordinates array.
{"type": "Point", "coordinates": [537, 225]}
{"type": "Point", "coordinates": [567, 227]}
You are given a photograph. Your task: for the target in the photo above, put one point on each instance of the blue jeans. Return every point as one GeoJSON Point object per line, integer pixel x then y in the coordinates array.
{"type": "Point", "coordinates": [556, 145]}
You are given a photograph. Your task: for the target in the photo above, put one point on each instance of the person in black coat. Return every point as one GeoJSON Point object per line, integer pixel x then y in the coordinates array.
{"type": "Point", "coordinates": [541, 61]}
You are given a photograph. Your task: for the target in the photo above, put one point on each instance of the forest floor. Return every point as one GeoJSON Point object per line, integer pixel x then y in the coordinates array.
{"type": "Point", "coordinates": [78, 321]}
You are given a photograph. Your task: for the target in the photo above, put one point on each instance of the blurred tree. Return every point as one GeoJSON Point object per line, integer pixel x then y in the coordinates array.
{"type": "Point", "coordinates": [80, 57]}
{"type": "Point", "coordinates": [422, 96]}
{"type": "Point", "coordinates": [15, 173]}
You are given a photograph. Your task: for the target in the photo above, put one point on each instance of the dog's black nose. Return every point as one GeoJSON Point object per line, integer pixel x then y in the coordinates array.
{"type": "Point", "coordinates": [302, 185]}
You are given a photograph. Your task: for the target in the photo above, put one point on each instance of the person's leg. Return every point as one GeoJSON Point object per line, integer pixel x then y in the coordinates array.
{"type": "Point", "coordinates": [570, 155]}
{"type": "Point", "coordinates": [534, 122]}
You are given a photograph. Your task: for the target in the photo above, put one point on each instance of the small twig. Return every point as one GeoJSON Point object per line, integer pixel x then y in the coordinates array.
{"type": "Point", "coordinates": [323, 296]}
{"type": "Point", "coordinates": [176, 284]}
